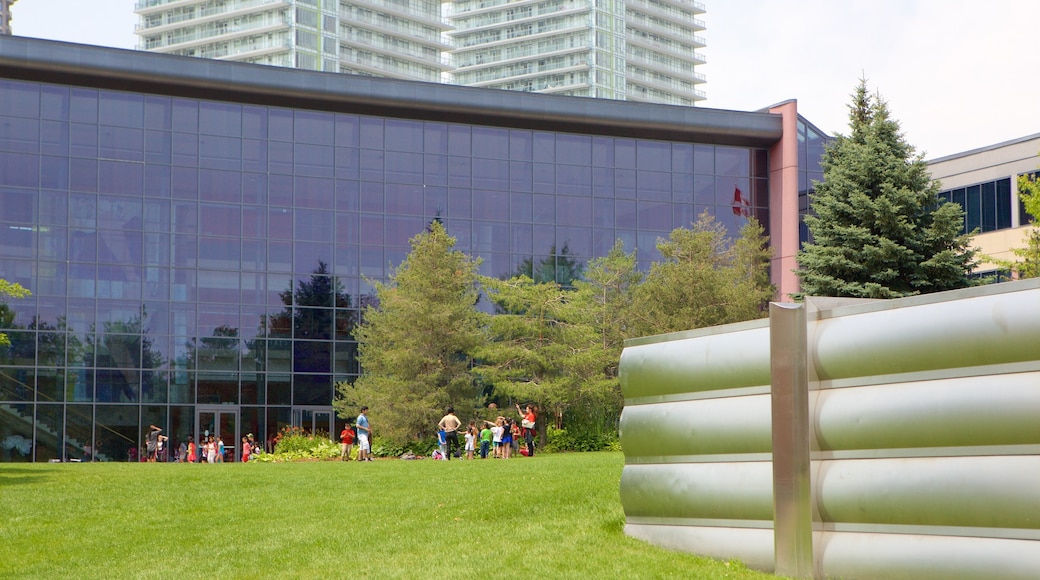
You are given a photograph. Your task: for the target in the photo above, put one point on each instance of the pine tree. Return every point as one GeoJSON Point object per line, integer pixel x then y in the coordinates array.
{"type": "Point", "coordinates": [415, 346]}
{"type": "Point", "coordinates": [878, 227]}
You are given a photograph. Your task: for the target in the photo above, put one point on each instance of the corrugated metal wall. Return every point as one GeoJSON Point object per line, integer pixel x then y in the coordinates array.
{"type": "Point", "coordinates": [920, 418]}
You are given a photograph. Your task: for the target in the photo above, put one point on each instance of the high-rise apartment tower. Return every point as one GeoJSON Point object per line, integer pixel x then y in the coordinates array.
{"type": "Point", "coordinates": [5, 16]}
{"type": "Point", "coordinates": [388, 38]}
{"type": "Point", "coordinates": [643, 50]}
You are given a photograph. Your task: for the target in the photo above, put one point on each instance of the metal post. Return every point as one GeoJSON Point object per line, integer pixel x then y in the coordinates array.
{"type": "Point", "coordinates": [792, 494]}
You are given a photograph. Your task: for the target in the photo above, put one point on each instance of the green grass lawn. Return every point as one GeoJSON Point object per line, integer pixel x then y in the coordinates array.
{"type": "Point", "coordinates": [555, 515]}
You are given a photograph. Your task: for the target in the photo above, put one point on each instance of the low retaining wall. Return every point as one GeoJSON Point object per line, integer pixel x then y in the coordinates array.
{"type": "Point", "coordinates": [894, 439]}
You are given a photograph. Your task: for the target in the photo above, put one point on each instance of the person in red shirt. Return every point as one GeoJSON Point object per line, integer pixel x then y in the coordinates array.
{"type": "Point", "coordinates": [346, 439]}
{"type": "Point", "coordinates": [528, 419]}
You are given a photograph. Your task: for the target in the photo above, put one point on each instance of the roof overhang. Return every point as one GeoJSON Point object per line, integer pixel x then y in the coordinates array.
{"type": "Point", "coordinates": [129, 70]}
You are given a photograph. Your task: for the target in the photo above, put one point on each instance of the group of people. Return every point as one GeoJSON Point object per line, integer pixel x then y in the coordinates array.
{"type": "Point", "coordinates": [209, 449]}
{"type": "Point", "coordinates": [500, 438]}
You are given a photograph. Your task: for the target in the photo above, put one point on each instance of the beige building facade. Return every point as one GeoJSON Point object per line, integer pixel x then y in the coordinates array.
{"type": "Point", "coordinates": [985, 182]}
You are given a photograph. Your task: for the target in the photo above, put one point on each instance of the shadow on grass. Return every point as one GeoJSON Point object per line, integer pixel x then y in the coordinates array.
{"type": "Point", "coordinates": [14, 476]}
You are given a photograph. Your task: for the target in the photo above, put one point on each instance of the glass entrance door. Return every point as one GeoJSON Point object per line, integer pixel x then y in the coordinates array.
{"type": "Point", "coordinates": [314, 419]}
{"type": "Point", "coordinates": [220, 422]}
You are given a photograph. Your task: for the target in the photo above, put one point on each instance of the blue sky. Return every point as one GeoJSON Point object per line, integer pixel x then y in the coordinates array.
{"type": "Point", "coordinates": [957, 74]}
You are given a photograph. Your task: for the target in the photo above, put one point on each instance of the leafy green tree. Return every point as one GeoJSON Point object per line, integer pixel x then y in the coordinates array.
{"type": "Point", "coordinates": [558, 346]}
{"type": "Point", "coordinates": [416, 346]}
{"type": "Point", "coordinates": [533, 339]}
{"type": "Point", "coordinates": [878, 228]}
{"type": "Point", "coordinates": [9, 290]}
{"type": "Point", "coordinates": [1028, 264]}
{"type": "Point", "coordinates": [602, 300]}
{"type": "Point", "coordinates": [705, 279]}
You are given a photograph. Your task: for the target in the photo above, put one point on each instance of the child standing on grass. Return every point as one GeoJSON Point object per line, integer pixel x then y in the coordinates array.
{"type": "Point", "coordinates": [507, 438]}
{"type": "Point", "coordinates": [471, 437]}
{"type": "Point", "coordinates": [496, 436]}
{"type": "Point", "coordinates": [485, 440]}
{"type": "Point", "coordinates": [346, 444]}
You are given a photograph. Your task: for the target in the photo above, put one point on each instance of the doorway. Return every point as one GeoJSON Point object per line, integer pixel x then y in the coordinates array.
{"type": "Point", "coordinates": [220, 421]}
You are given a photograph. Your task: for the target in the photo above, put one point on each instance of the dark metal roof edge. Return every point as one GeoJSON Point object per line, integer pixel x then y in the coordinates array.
{"type": "Point", "coordinates": [119, 69]}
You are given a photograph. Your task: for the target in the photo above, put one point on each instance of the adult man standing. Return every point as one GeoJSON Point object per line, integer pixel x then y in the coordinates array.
{"type": "Point", "coordinates": [450, 425]}
{"type": "Point", "coordinates": [364, 435]}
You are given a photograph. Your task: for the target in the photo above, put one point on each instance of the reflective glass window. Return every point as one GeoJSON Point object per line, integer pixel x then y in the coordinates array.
{"type": "Point", "coordinates": [314, 192]}
{"type": "Point", "coordinates": [372, 165]}
{"type": "Point", "coordinates": [120, 177]}
{"type": "Point", "coordinates": [218, 185]}
{"type": "Point", "coordinates": [490, 143]}
{"type": "Point", "coordinates": [314, 225]}
{"type": "Point", "coordinates": [184, 183]}
{"type": "Point", "coordinates": [83, 106]}
{"type": "Point", "coordinates": [459, 140]}
{"type": "Point", "coordinates": [221, 119]}
{"type": "Point", "coordinates": [121, 109]}
{"type": "Point", "coordinates": [404, 167]}
{"type": "Point", "coordinates": [17, 134]}
{"type": "Point", "coordinates": [314, 160]}
{"type": "Point", "coordinates": [404, 135]}
{"type": "Point", "coordinates": [185, 115]}
{"type": "Point", "coordinates": [54, 137]}
{"type": "Point", "coordinates": [19, 170]}
{"type": "Point", "coordinates": [83, 140]}
{"type": "Point", "coordinates": [220, 152]}
{"type": "Point", "coordinates": [54, 102]}
{"type": "Point", "coordinates": [158, 113]}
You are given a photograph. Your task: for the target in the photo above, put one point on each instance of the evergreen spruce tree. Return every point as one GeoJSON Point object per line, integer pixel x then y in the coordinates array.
{"type": "Point", "coordinates": [878, 227]}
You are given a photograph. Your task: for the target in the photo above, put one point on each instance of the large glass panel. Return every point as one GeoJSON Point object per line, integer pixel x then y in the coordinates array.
{"type": "Point", "coordinates": [21, 99]}
{"type": "Point", "coordinates": [220, 152]}
{"type": "Point", "coordinates": [312, 389]}
{"type": "Point", "coordinates": [54, 102]}
{"type": "Point", "coordinates": [973, 208]}
{"type": "Point", "coordinates": [21, 135]}
{"type": "Point", "coordinates": [215, 387]}
{"type": "Point", "coordinates": [181, 430]}
{"type": "Point", "coordinates": [116, 431]}
{"type": "Point", "coordinates": [79, 435]}
{"type": "Point", "coordinates": [50, 434]}
{"type": "Point", "coordinates": [223, 119]}
{"type": "Point", "coordinates": [313, 127]}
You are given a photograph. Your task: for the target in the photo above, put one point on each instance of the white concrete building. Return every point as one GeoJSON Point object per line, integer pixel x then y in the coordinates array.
{"type": "Point", "coordinates": [643, 50]}
{"type": "Point", "coordinates": [389, 38]}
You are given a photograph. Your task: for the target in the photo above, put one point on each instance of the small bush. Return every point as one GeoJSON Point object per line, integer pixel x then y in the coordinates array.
{"type": "Point", "coordinates": [562, 440]}
{"type": "Point", "coordinates": [295, 444]}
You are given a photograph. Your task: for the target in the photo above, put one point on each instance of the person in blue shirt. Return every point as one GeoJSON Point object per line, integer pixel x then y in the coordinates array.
{"type": "Point", "coordinates": [364, 436]}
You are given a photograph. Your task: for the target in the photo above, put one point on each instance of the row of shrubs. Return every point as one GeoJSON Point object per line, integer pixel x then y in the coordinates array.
{"type": "Point", "coordinates": [295, 444]}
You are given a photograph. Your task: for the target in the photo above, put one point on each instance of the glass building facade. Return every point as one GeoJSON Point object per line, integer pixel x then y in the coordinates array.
{"type": "Point", "coordinates": [200, 264]}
